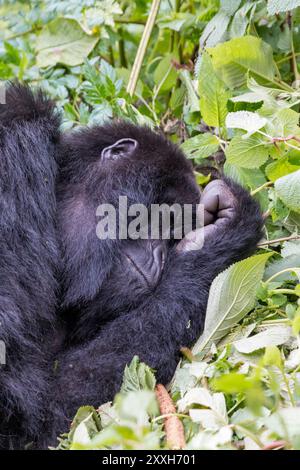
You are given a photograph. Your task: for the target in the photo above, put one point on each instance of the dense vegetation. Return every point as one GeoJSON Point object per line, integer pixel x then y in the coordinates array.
{"type": "Point", "coordinates": [221, 78]}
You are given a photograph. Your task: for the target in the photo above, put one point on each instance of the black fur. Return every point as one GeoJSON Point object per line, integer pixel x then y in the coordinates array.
{"type": "Point", "coordinates": [28, 258]}
{"type": "Point", "coordinates": [108, 315]}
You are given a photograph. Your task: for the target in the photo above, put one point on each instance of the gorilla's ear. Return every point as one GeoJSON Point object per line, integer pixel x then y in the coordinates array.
{"type": "Point", "coordinates": [121, 148]}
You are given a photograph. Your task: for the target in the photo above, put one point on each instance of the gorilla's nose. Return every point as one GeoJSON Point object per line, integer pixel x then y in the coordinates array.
{"type": "Point", "coordinates": [147, 259]}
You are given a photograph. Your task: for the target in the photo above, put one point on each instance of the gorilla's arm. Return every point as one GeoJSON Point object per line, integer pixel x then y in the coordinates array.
{"type": "Point", "coordinates": [170, 318]}
{"type": "Point", "coordinates": [28, 256]}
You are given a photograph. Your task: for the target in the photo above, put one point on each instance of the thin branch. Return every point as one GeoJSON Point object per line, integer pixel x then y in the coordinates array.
{"type": "Point", "coordinates": [279, 240]}
{"type": "Point", "coordinates": [142, 48]}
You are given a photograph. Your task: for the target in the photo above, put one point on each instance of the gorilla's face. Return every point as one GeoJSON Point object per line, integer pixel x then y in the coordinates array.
{"type": "Point", "coordinates": [132, 162]}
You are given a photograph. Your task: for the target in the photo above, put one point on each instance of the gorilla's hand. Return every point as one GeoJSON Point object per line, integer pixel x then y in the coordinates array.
{"type": "Point", "coordinates": [219, 208]}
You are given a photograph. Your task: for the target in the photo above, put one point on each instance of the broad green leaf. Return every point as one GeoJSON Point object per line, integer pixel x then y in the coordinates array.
{"type": "Point", "coordinates": [232, 383]}
{"type": "Point", "coordinates": [201, 146]}
{"type": "Point", "coordinates": [247, 98]}
{"type": "Point", "coordinates": [213, 95]}
{"type": "Point", "coordinates": [241, 20]}
{"type": "Point", "coordinates": [137, 376]}
{"type": "Point", "coordinates": [252, 178]}
{"type": "Point", "coordinates": [233, 59]}
{"type": "Point", "coordinates": [284, 123]}
{"type": "Point", "coordinates": [291, 248]}
{"type": "Point", "coordinates": [215, 30]}
{"type": "Point", "coordinates": [165, 74]}
{"type": "Point", "coordinates": [280, 168]}
{"type": "Point", "coordinates": [276, 6]}
{"type": "Point", "coordinates": [272, 356]}
{"type": "Point", "coordinates": [246, 120]}
{"type": "Point", "coordinates": [63, 41]}
{"type": "Point", "coordinates": [288, 189]}
{"type": "Point", "coordinates": [231, 297]}
{"type": "Point", "coordinates": [273, 336]}
{"type": "Point", "coordinates": [251, 152]}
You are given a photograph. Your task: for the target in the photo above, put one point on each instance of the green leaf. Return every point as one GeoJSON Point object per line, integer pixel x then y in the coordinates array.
{"type": "Point", "coordinates": [201, 146]}
{"type": "Point", "coordinates": [232, 383]}
{"type": "Point", "coordinates": [288, 189]}
{"type": "Point", "coordinates": [137, 376]}
{"type": "Point", "coordinates": [246, 120]}
{"type": "Point", "coordinates": [273, 336]}
{"type": "Point", "coordinates": [165, 74]}
{"type": "Point", "coordinates": [233, 59]}
{"type": "Point", "coordinates": [215, 30]}
{"type": "Point", "coordinates": [251, 152]}
{"type": "Point", "coordinates": [296, 323]}
{"type": "Point", "coordinates": [276, 6]}
{"type": "Point", "coordinates": [280, 168]}
{"type": "Point", "coordinates": [284, 123]}
{"type": "Point", "coordinates": [285, 423]}
{"type": "Point", "coordinates": [85, 425]}
{"type": "Point", "coordinates": [213, 95]}
{"type": "Point", "coordinates": [63, 41]}
{"type": "Point", "coordinates": [252, 178]}
{"type": "Point", "coordinates": [231, 297]}
{"type": "Point", "coordinates": [272, 357]}
{"type": "Point", "coordinates": [193, 100]}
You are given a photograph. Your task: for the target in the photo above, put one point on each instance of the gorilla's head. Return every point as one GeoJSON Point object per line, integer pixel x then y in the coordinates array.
{"type": "Point", "coordinates": [98, 165]}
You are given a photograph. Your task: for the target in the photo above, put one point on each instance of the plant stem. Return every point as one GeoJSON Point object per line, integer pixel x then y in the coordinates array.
{"type": "Point", "coordinates": [286, 381]}
{"type": "Point", "coordinates": [265, 185]}
{"type": "Point", "coordinates": [279, 240]}
{"type": "Point", "coordinates": [279, 273]}
{"type": "Point", "coordinates": [142, 48]}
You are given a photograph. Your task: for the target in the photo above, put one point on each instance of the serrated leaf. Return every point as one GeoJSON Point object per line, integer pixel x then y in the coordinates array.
{"type": "Point", "coordinates": [273, 336]}
{"type": "Point", "coordinates": [213, 95]}
{"type": "Point", "coordinates": [246, 120]}
{"type": "Point", "coordinates": [288, 189]}
{"type": "Point", "coordinates": [233, 59]}
{"type": "Point", "coordinates": [284, 123]}
{"type": "Point", "coordinates": [251, 152]}
{"type": "Point", "coordinates": [276, 6]}
{"type": "Point", "coordinates": [63, 41]}
{"type": "Point", "coordinates": [137, 376]}
{"type": "Point", "coordinates": [215, 30]}
{"type": "Point", "coordinates": [252, 178]}
{"type": "Point", "coordinates": [231, 297]}
{"type": "Point", "coordinates": [201, 146]}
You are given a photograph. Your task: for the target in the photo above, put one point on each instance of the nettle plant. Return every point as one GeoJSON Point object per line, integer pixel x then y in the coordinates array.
{"type": "Point", "coordinates": [251, 119]}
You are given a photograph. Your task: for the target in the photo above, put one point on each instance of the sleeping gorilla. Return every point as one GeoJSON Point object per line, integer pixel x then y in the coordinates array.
{"type": "Point", "coordinates": [90, 305]}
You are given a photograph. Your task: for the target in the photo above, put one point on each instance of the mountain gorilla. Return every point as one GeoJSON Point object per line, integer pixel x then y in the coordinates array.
{"type": "Point", "coordinates": [74, 309]}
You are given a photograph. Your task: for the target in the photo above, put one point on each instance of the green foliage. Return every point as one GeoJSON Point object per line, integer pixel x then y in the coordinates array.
{"type": "Point", "coordinates": [222, 80]}
{"type": "Point", "coordinates": [231, 297]}
{"type": "Point", "coordinates": [63, 41]}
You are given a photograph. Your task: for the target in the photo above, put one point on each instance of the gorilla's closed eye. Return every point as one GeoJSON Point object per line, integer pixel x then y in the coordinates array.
{"type": "Point", "coordinates": [123, 147]}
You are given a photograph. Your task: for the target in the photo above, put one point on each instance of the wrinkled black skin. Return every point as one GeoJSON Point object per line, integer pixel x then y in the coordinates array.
{"type": "Point", "coordinates": [67, 296]}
